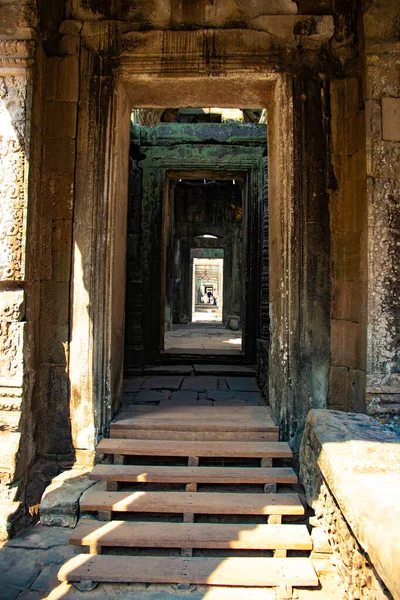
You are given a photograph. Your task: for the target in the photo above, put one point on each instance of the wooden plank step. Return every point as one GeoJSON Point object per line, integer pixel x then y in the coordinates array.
{"type": "Point", "coordinates": [203, 412]}
{"type": "Point", "coordinates": [209, 449]}
{"type": "Point", "coordinates": [249, 572]}
{"type": "Point", "coordinates": [144, 421]}
{"type": "Point", "coordinates": [154, 474]}
{"type": "Point", "coordinates": [195, 436]}
{"type": "Point", "coordinates": [196, 502]}
{"type": "Point", "coordinates": [193, 535]}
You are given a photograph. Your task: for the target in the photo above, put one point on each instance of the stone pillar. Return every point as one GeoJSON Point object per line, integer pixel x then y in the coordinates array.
{"type": "Point", "coordinates": [15, 350]}
{"type": "Point", "coordinates": [99, 241]}
{"type": "Point", "coordinates": [299, 254]}
{"type": "Point", "coordinates": [382, 89]}
{"type": "Point", "coordinates": [348, 225]}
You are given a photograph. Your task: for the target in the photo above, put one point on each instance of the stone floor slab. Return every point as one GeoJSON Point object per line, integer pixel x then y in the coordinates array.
{"type": "Point", "coordinates": [200, 383]}
{"type": "Point", "coordinates": [18, 569]}
{"type": "Point", "coordinates": [43, 538]}
{"type": "Point", "coordinates": [242, 384]}
{"type": "Point", "coordinates": [46, 580]}
{"type": "Point", "coordinates": [161, 382]}
{"type": "Point", "coordinates": [151, 396]}
{"type": "Point", "coordinates": [133, 384]}
{"type": "Point", "coordinates": [234, 370]}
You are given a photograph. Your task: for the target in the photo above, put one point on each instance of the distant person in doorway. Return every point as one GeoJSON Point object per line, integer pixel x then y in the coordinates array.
{"type": "Point", "coordinates": [209, 294]}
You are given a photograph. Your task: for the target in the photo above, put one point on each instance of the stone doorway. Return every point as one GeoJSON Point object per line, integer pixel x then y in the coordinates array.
{"type": "Point", "coordinates": [282, 316]}
{"type": "Point", "coordinates": [196, 192]}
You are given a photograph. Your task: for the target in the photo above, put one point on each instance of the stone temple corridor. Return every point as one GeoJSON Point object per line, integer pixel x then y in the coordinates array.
{"type": "Point", "coordinates": [200, 282]}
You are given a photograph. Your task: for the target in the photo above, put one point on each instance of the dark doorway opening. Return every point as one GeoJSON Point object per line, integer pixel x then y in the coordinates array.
{"type": "Point", "coordinates": [204, 267]}
{"type": "Point", "coordinates": [197, 188]}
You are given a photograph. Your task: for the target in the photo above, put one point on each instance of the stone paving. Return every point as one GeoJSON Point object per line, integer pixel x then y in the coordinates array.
{"type": "Point", "coordinates": [192, 390]}
{"type": "Point", "coordinates": [205, 337]}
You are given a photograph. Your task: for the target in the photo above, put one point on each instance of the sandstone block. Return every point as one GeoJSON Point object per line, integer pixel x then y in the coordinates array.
{"type": "Point", "coordinates": [46, 241]}
{"type": "Point", "coordinates": [54, 343]}
{"type": "Point", "coordinates": [391, 119]}
{"type": "Point", "coordinates": [340, 394]}
{"type": "Point", "coordinates": [384, 160]}
{"type": "Point", "coordinates": [373, 119]}
{"type": "Point", "coordinates": [59, 156]}
{"type": "Point", "coordinates": [358, 460]}
{"type": "Point", "coordinates": [63, 79]}
{"type": "Point", "coordinates": [62, 250]}
{"type": "Point", "coordinates": [320, 541]}
{"type": "Point", "coordinates": [70, 44]}
{"type": "Point", "coordinates": [383, 77]}
{"type": "Point", "coordinates": [70, 27]}
{"type": "Point", "coordinates": [54, 435]}
{"type": "Point", "coordinates": [54, 307]}
{"type": "Point", "coordinates": [59, 194]}
{"type": "Point", "coordinates": [60, 502]}
{"type": "Point", "coordinates": [9, 420]}
{"type": "Point", "coordinates": [344, 343]}
{"type": "Point", "coordinates": [61, 120]}
{"type": "Point", "coordinates": [9, 443]}
{"type": "Point", "coordinates": [12, 305]}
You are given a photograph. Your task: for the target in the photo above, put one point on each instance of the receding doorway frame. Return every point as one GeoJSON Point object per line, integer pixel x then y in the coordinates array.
{"type": "Point", "coordinates": [100, 217]}
{"type": "Point", "coordinates": [249, 172]}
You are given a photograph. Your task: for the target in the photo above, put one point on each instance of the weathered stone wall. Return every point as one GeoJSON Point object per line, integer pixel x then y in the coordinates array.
{"type": "Point", "coordinates": [55, 226]}
{"type": "Point", "coordinates": [299, 255]}
{"type": "Point", "coordinates": [382, 96]}
{"type": "Point", "coordinates": [348, 466]}
{"type": "Point", "coordinates": [17, 318]}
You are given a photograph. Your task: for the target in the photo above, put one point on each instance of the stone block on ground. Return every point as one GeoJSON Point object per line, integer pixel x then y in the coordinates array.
{"type": "Point", "coordinates": [320, 541]}
{"type": "Point", "coordinates": [233, 323]}
{"type": "Point", "coordinates": [60, 501]}
{"type": "Point", "coordinates": [355, 460]}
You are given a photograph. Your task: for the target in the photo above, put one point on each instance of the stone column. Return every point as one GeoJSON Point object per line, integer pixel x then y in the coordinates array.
{"type": "Point", "coordinates": [15, 360]}
{"type": "Point", "coordinates": [99, 241]}
{"type": "Point", "coordinates": [383, 170]}
{"type": "Point", "coordinates": [299, 254]}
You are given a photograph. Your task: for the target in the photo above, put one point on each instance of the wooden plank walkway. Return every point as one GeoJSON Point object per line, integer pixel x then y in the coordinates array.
{"type": "Point", "coordinates": [149, 433]}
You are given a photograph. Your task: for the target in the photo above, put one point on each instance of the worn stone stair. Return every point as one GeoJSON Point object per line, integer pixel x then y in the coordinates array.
{"type": "Point", "coordinates": [217, 519]}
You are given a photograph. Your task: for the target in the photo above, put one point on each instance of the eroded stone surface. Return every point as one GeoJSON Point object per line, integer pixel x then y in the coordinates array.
{"type": "Point", "coordinates": [60, 502]}
{"type": "Point", "coordinates": [356, 460]}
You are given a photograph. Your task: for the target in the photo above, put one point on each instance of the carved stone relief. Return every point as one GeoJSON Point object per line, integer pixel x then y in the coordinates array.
{"type": "Point", "coordinates": [13, 198]}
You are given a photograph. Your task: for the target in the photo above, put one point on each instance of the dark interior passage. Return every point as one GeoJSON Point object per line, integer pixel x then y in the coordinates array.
{"type": "Point", "coordinates": [196, 191]}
